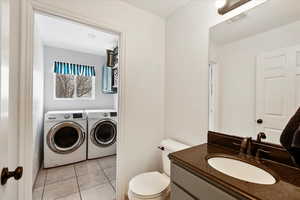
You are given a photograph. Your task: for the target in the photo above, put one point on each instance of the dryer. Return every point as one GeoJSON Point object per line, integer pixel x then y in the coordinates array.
{"type": "Point", "coordinates": [64, 137]}
{"type": "Point", "coordinates": [102, 133]}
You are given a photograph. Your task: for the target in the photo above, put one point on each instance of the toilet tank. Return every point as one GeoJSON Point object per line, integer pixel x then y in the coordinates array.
{"type": "Point", "coordinates": [170, 146]}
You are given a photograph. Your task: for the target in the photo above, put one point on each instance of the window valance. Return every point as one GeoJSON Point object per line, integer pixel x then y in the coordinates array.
{"type": "Point", "coordinates": [74, 69]}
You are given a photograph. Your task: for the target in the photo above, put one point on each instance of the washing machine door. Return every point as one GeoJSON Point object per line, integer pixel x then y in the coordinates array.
{"type": "Point", "coordinates": [65, 137]}
{"type": "Point", "coordinates": [104, 133]}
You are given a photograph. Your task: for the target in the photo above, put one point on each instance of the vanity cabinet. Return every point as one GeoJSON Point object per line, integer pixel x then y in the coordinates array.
{"type": "Point", "coordinates": [187, 186]}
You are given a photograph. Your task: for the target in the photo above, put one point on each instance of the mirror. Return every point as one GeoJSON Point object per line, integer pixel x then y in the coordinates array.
{"type": "Point", "coordinates": [254, 71]}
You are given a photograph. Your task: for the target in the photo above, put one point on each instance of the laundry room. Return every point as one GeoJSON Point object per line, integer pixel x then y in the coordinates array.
{"type": "Point", "coordinates": [75, 110]}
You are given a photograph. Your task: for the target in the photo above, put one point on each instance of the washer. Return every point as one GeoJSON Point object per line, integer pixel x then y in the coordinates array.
{"type": "Point", "coordinates": [64, 137]}
{"type": "Point", "coordinates": [102, 129]}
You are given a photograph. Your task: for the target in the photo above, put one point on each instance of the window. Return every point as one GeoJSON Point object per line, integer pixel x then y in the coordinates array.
{"type": "Point", "coordinates": [68, 86]}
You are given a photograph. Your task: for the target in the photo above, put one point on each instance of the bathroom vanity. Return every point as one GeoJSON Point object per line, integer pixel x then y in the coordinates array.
{"type": "Point", "coordinates": [186, 185]}
{"type": "Point", "coordinates": [194, 179]}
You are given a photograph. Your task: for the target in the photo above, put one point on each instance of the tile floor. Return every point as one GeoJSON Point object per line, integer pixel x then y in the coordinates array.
{"type": "Point", "coordinates": [88, 180]}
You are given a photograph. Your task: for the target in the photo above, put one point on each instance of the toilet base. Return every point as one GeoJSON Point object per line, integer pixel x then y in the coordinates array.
{"type": "Point", "coordinates": [164, 196]}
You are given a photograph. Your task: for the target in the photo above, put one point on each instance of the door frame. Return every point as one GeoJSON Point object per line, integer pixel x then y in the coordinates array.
{"type": "Point", "coordinates": [213, 92]}
{"type": "Point", "coordinates": [28, 8]}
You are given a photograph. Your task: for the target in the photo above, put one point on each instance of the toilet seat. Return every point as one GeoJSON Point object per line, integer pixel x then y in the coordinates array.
{"type": "Point", "coordinates": [149, 185]}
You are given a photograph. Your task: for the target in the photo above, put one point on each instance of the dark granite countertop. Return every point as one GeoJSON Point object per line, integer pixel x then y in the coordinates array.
{"type": "Point", "coordinates": [194, 160]}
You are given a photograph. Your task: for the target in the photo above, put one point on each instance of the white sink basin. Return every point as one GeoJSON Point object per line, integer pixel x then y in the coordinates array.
{"type": "Point", "coordinates": [241, 170]}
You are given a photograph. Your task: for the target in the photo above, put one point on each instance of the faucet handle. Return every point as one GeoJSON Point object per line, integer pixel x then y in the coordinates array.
{"type": "Point", "coordinates": [258, 153]}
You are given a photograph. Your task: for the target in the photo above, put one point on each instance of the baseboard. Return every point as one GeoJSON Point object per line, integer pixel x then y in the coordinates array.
{"type": "Point", "coordinates": [37, 175]}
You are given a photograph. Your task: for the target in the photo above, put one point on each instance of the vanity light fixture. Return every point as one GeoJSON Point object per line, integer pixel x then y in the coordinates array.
{"type": "Point", "coordinates": [225, 6]}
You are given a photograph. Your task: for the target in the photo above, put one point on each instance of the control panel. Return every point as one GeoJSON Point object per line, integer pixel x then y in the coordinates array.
{"type": "Point", "coordinates": [77, 115]}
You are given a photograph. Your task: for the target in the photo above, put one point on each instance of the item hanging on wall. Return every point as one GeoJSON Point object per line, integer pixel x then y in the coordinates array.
{"type": "Point", "coordinates": [107, 81]}
{"type": "Point", "coordinates": [112, 57]}
{"type": "Point", "coordinates": [74, 69]}
{"type": "Point", "coordinates": [115, 73]}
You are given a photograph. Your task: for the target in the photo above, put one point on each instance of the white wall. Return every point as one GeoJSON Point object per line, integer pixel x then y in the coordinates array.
{"type": "Point", "coordinates": [38, 103]}
{"type": "Point", "coordinates": [101, 101]}
{"type": "Point", "coordinates": [237, 76]}
{"type": "Point", "coordinates": [186, 77]}
{"type": "Point", "coordinates": [142, 102]}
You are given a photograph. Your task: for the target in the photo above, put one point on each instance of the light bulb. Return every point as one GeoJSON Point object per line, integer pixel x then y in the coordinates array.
{"type": "Point", "coordinates": [220, 3]}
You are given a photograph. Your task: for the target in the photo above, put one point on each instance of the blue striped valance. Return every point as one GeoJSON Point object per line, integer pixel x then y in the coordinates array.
{"type": "Point", "coordinates": [74, 69]}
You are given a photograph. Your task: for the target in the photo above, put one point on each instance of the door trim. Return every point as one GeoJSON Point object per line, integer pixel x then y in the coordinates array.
{"type": "Point", "coordinates": [28, 8]}
{"type": "Point", "coordinates": [213, 91]}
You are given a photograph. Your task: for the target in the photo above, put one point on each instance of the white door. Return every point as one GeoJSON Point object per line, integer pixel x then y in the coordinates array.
{"type": "Point", "coordinates": [8, 148]}
{"type": "Point", "coordinates": [295, 63]}
{"type": "Point", "coordinates": [276, 90]}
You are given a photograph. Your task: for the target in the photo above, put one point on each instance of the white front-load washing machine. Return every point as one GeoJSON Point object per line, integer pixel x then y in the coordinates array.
{"type": "Point", "coordinates": [102, 133]}
{"type": "Point", "coordinates": [64, 138]}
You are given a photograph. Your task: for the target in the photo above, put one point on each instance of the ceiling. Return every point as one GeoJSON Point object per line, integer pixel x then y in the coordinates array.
{"type": "Point", "coordinates": [66, 34]}
{"type": "Point", "coordinates": [272, 14]}
{"type": "Point", "coordinates": [163, 8]}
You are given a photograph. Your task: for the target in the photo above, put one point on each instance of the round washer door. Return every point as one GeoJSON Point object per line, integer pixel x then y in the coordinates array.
{"type": "Point", "coordinates": [104, 133]}
{"type": "Point", "coordinates": [65, 137]}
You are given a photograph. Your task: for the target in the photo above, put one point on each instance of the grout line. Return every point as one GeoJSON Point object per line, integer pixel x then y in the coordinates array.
{"type": "Point", "coordinates": [76, 175]}
{"type": "Point", "coordinates": [109, 181]}
{"type": "Point", "coordinates": [77, 182]}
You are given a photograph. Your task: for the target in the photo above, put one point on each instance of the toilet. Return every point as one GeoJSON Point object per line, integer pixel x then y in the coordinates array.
{"type": "Point", "coordinates": [155, 185]}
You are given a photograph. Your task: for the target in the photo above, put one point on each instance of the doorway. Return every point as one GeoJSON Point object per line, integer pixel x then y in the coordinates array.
{"type": "Point", "coordinates": [212, 96]}
{"type": "Point", "coordinates": [75, 102]}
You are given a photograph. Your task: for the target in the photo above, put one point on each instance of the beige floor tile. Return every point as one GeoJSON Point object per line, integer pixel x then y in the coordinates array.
{"type": "Point", "coordinates": [75, 196]}
{"type": "Point", "coordinates": [91, 180]}
{"type": "Point", "coordinates": [110, 173]}
{"type": "Point", "coordinates": [41, 178]}
{"type": "Point", "coordinates": [60, 189]}
{"type": "Point", "coordinates": [37, 193]}
{"type": "Point", "coordinates": [87, 167]}
{"type": "Point", "coordinates": [107, 162]}
{"type": "Point", "coordinates": [102, 192]}
{"type": "Point", "coordinates": [60, 174]}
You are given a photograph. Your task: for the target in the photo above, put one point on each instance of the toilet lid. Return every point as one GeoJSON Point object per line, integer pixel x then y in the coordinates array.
{"type": "Point", "coordinates": [149, 184]}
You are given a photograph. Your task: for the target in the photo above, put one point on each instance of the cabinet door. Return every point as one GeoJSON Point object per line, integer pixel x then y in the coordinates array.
{"type": "Point", "coordinates": [199, 188]}
{"type": "Point", "coordinates": [179, 194]}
